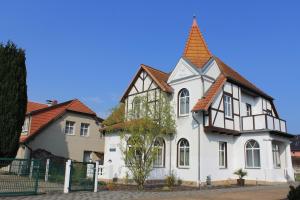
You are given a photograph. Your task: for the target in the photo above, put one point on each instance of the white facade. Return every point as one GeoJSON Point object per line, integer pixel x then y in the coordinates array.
{"type": "Point", "coordinates": [204, 130]}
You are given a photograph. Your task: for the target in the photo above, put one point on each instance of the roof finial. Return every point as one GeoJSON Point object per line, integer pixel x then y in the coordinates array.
{"type": "Point", "coordinates": [194, 20]}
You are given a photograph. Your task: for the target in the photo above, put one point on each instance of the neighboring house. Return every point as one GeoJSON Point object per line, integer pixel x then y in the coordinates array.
{"type": "Point", "coordinates": [69, 129]}
{"type": "Point", "coordinates": [295, 150]}
{"type": "Point", "coordinates": [224, 122]}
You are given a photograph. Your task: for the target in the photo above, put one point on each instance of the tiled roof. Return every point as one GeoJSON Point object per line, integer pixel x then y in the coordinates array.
{"type": "Point", "coordinates": [32, 106]}
{"type": "Point", "coordinates": [196, 50]}
{"type": "Point", "coordinates": [207, 99]}
{"type": "Point", "coordinates": [232, 75]}
{"type": "Point", "coordinates": [159, 77]}
{"type": "Point", "coordinates": [41, 118]}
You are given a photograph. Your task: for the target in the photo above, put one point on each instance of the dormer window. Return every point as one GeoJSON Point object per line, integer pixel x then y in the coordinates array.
{"type": "Point", "coordinates": [248, 109]}
{"type": "Point", "coordinates": [184, 102]}
{"type": "Point", "coordinates": [228, 106]}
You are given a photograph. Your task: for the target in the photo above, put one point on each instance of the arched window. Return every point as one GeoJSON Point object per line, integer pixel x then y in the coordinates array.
{"type": "Point", "coordinates": [136, 106]}
{"type": "Point", "coordinates": [183, 153]}
{"type": "Point", "coordinates": [184, 102]}
{"type": "Point", "coordinates": [134, 153]}
{"type": "Point", "coordinates": [252, 154]}
{"type": "Point", "coordinates": [159, 158]}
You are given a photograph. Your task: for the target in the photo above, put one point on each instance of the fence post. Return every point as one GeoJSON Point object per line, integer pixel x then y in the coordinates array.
{"type": "Point", "coordinates": [67, 176]}
{"type": "Point", "coordinates": [47, 170]}
{"type": "Point", "coordinates": [31, 169]}
{"type": "Point", "coordinates": [96, 177]}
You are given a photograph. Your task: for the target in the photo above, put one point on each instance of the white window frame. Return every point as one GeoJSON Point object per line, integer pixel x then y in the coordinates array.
{"type": "Point", "coordinates": [248, 109]}
{"type": "Point", "coordinates": [67, 127]}
{"type": "Point", "coordinates": [186, 150]}
{"type": "Point", "coordinates": [160, 154]}
{"type": "Point", "coordinates": [252, 149]}
{"type": "Point", "coordinates": [228, 106]}
{"type": "Point", "coordinates": [223, 152]}
{"type": "Point", "coordinates": [276, 155]}
{"type": "Point", "coordinates": [186, 101]}
{"type": "Point", "coordinates": [136, 107]}
{"type": "Point", "coordinates": [87, 129]}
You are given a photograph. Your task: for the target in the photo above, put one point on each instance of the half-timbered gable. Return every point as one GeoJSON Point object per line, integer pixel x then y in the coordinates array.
{"type": "Point", "coordinates": [148, 83]}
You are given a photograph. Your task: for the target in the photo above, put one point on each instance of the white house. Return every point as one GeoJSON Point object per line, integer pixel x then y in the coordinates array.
{"type": "Point", "coordinates": [224, 122]}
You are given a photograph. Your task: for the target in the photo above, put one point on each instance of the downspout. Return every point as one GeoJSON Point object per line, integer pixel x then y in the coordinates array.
{"type": "Point", "coordinates": [199, 177]}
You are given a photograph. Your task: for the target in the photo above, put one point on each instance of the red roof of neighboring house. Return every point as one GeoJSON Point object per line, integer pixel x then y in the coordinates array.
{"type": "Point", "coordinates": [41, 118]}
{"type": "Point", "coordinates": [32, 106]}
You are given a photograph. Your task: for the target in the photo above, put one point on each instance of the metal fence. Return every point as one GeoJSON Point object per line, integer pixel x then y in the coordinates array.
{"type": "Point", "coordinates": [18, 176]}
{"type": "Point", "coordinates": [51, 176]}
{"type": "Point", "coordinates": [82, 176]}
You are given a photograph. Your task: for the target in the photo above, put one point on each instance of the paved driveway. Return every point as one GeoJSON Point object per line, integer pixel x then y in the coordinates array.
{"type": "Point", "coordinates": [249, 193]}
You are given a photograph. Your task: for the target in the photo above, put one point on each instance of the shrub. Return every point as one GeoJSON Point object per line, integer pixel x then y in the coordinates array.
{"type": "Point", "coordinates": [111, 185]}
{"type": "Point", "coordinates": [170, 180]}
{"type": "Point", "coordinates": [294, 193]}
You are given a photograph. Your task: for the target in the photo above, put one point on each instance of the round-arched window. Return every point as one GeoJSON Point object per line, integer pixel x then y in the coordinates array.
{"type": "Point", "coordinates": [252, 154]}
{"type": "Point", "coordinates": [159, 157]}
{"type": "Point", "coordinates": [184, 102]}
{"type": "Point", "coordinates": [183, 153]}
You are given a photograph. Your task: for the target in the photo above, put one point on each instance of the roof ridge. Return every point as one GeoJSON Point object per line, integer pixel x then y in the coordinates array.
{"type": "Point", "coordinates": [155, 69]}
{"type": "Point", "coordinates": [50, 107]}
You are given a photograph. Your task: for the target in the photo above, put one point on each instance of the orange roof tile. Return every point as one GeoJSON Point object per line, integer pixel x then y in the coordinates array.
{"type": "Point", "coordinates": [196, 50]}
{"type": "Point", "coordinates": [32, 106]}
{"type": "Point", "coordinates": [40, 118]}
{"type": "Point", "coordinates": [232, 75]}
{"type": "Point", "coordinates": [207, 99]}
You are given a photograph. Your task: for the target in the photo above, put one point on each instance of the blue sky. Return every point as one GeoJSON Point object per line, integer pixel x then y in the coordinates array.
{"type": "Point", "coordinates": [90, 50]}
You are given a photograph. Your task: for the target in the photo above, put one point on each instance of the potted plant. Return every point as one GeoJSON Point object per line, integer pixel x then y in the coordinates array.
{"type": "Point", "coordinates": [241, 174]}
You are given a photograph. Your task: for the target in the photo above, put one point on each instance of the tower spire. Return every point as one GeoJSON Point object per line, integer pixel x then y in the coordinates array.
{"type": "Point", "coordinates": [196, 50]}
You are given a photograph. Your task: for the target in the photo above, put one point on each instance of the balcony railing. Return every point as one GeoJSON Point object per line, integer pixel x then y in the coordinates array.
{"type": "Point", "coordinates": [263, 122]}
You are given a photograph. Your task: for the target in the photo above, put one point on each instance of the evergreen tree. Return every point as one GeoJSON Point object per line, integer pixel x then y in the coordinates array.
{"type": "Point", "coordinates": [13, 97]}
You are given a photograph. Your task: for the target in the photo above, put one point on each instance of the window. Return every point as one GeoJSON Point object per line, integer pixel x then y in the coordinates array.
{"type": "Point", "coordinates": [223, 154]}
{"type": "Point", "coordinates": [70, 128]}
{"type": "Point", "coordinates": [228, 106]}
{"type": "Point", "coordinates": [87, 156]}
{"type": "Point", "coordinates": [252, 154]}
{"type": "Point", "coordinates": [134, 153]}
{"type": "Point", "coordinates": [159, 144]}
{"type": "Point", "coordinates": [248, 109]}
{"type": "Point", "coordinates": [184, 102]}
{"type": "Point", "coordinates": [276, 155]}
{"type": "Point", "coordinates": [183, 153]}
{"type": "Point", "coordinates": [84, 129]}
{"type": "Point", "coordinates": [25, 126]}
{"type": "Point", "coordinates": [136, 106]}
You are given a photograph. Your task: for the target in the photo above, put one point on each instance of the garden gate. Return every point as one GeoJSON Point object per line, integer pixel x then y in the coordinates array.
{"type": "Point", "coordinates": [82, 176]}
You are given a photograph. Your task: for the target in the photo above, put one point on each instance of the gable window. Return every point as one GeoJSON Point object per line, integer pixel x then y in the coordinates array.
{"type": "Point", "coordinates": [183, 153]}
{"type": "Point", "coordinates": [252, 154]}
{"type": "Point", "coordinates": [184, 102]}
{"type": "Point", "coordinates": [228, 106]}
{"type": "Point", "coordinates": [25, 126]}
{"type": "Point", "coordinates": [84, 129]}
{"type": "Point", "coordinates": [136, 106]}
{"type": "Point", "coordinates": [248, 109]}
{"type": "Point", "coordinates": [70, 128]}
{"type": "Point", "coordinates": [223, 154]}
{"type": "Point", "coordinates": [276, 155]}
{"type": "Point", "coordinates": [159, 145]}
